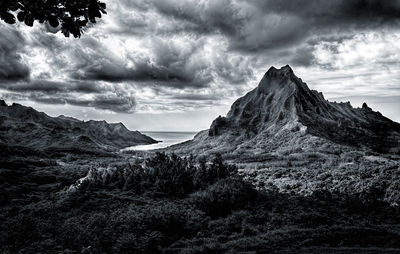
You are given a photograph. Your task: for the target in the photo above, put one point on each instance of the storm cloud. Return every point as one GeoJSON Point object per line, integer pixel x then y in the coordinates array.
{"type": "Point", "coordinates": [168, 63]}
{"type": "Point", "coordinates": [115, 102]}
{"type": "Point", "coordinates": [257, 25]}
{"type": "Point", "coordinates": [12, 68]}
{"type": "Point", "coordinates": [53, 87]}
{"type": "Point", "coordinates": [166, 55]}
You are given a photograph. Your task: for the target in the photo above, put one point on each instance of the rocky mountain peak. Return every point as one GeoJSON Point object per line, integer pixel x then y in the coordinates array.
{"type": "Point", "coordinates": [365, 107]}
{"type": "Point", "coordinates": [285, 71]}
{"type": "Point", "coordinates": [3, 103]}
{"type": "Point", "coordinates": [282, 101]}
{"type": "Point", "coordinates": [281, 80]}
{"type": "Point", "coordinates": [273, 104]}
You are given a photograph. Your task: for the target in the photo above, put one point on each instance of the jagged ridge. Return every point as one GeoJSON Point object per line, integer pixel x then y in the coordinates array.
{"type": "Point", "coordinates": [24, 126]}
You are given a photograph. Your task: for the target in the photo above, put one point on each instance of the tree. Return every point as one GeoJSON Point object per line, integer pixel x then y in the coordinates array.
{"type": "Point", "coordinates": [72, 15]}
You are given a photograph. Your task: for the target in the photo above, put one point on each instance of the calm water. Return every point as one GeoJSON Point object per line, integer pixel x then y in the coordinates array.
{"type": "Point", "coordinates": [167, 138]}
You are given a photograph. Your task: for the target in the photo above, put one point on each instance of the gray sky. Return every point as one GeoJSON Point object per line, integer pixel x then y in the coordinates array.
{"type": "Point", "coordinates": [177, 64]}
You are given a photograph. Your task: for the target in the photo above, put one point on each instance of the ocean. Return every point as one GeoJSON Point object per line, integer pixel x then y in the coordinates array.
{"type": "Point", "coordinates": [167, 138]}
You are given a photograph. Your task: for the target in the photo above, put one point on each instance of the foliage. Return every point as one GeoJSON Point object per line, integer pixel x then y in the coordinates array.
{"type": "Point", "coordinates": [135, 207]}
{"type": "Point", "coordinates": [165, 175]}
{"type": "Point", "coordinates": [223, 197]}
{"type": "Point", "coordinates": [72, 15]}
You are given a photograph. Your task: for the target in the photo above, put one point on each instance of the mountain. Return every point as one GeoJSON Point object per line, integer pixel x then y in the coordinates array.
{"type": "Point", "coordinates": [282, 112]}
{"type": "Point", "coordinates": [24, 126]}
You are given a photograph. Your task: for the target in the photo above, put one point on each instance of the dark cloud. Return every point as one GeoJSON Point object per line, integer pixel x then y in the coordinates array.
{"type": "Point", "coordinates": [303, 56]}
{"type": "Point", "coordinates": [259, 25]}
{"type": "Point", "coordinates": [18, 82]}
{"type": "Point", "coordinates": [146, 72]}
{"type": "Point", "coordinates": [53, 87]}
{"type": "Point", "coordinates": [167, 64]}
{"type": "Point", "coordinates": [115, 102]}
{"type": "Point", "coordinates": [196, 97]}
{"type": "Point", "coordinates": [11, 66]}
{"type": "Point", "coordinates": [326, 17]}
{"type": "Point", "coordinates": [208, 16]}
{"type": "Point", "coordinates": [298, 20]}
{"type": "Point", "coordinates": [234, 70]}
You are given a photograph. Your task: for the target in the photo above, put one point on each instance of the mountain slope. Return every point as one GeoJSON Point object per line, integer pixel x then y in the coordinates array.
{"type": "Point", "coordinates": [282, 111]}
{"type": "Point", "coordinates": [24, 126]}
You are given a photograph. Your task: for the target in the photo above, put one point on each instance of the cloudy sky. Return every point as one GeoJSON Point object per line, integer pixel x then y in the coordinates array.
{"type": "Point", "coordinates": [177, 64]}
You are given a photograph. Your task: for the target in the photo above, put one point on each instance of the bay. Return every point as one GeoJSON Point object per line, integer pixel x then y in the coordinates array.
{"type": "Point", "coordinates": [166, 138]}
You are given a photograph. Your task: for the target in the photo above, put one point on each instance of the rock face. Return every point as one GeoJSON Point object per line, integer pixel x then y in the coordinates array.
{"type": "Point", "coordinates": [269, 107]}
{"type": "Point", "coordinates": [24, 126]}
{"type": "Point", "coordinates": [282, 107]}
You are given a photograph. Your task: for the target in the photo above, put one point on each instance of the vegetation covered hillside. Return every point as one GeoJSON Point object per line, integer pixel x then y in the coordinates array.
{"type": "Point", "coordinates": [52, 203]}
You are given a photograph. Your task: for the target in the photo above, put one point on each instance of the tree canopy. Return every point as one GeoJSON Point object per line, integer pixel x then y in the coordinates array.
{"type": "Point", "coordinates": [72, 15]}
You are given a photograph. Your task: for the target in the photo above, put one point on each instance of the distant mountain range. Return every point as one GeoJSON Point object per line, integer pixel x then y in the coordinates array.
{"type": "Point", "coordinates": [282, 112]}
{"type": "Point", "coordinates": [26, 127]}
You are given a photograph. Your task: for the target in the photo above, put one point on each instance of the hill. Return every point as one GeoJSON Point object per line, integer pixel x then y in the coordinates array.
{"type": "Point", "coordinates": [26, 127]}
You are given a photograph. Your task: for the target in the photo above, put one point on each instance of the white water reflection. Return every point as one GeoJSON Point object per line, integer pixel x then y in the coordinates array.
{"type": "Point", "coordinates": [167, 138]}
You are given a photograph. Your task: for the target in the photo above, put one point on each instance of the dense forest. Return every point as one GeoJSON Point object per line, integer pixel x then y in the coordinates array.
{"type": "Point", "coordinates": [169, 204]}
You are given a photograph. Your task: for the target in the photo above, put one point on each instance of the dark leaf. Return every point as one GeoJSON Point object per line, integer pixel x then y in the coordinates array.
{"type": "Point", "coordinates": [82, 23]}
{"type": "Point", "coordinates": [97, 14]}
{"type": "Point", "coordinates": [14, 7]}
{"type": "Point", "coordinates": [7, 17]}
{"type": "Point", "coordinates": [65, 31]}
{"type": "Point", "coordinates": [21, 16]}
{"type": "Point", "coordinates": [53, 21]}
{"type": "Point", "coordinates": [29, 20]}
{"type": "Point", "coordinates": [73, 14]}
